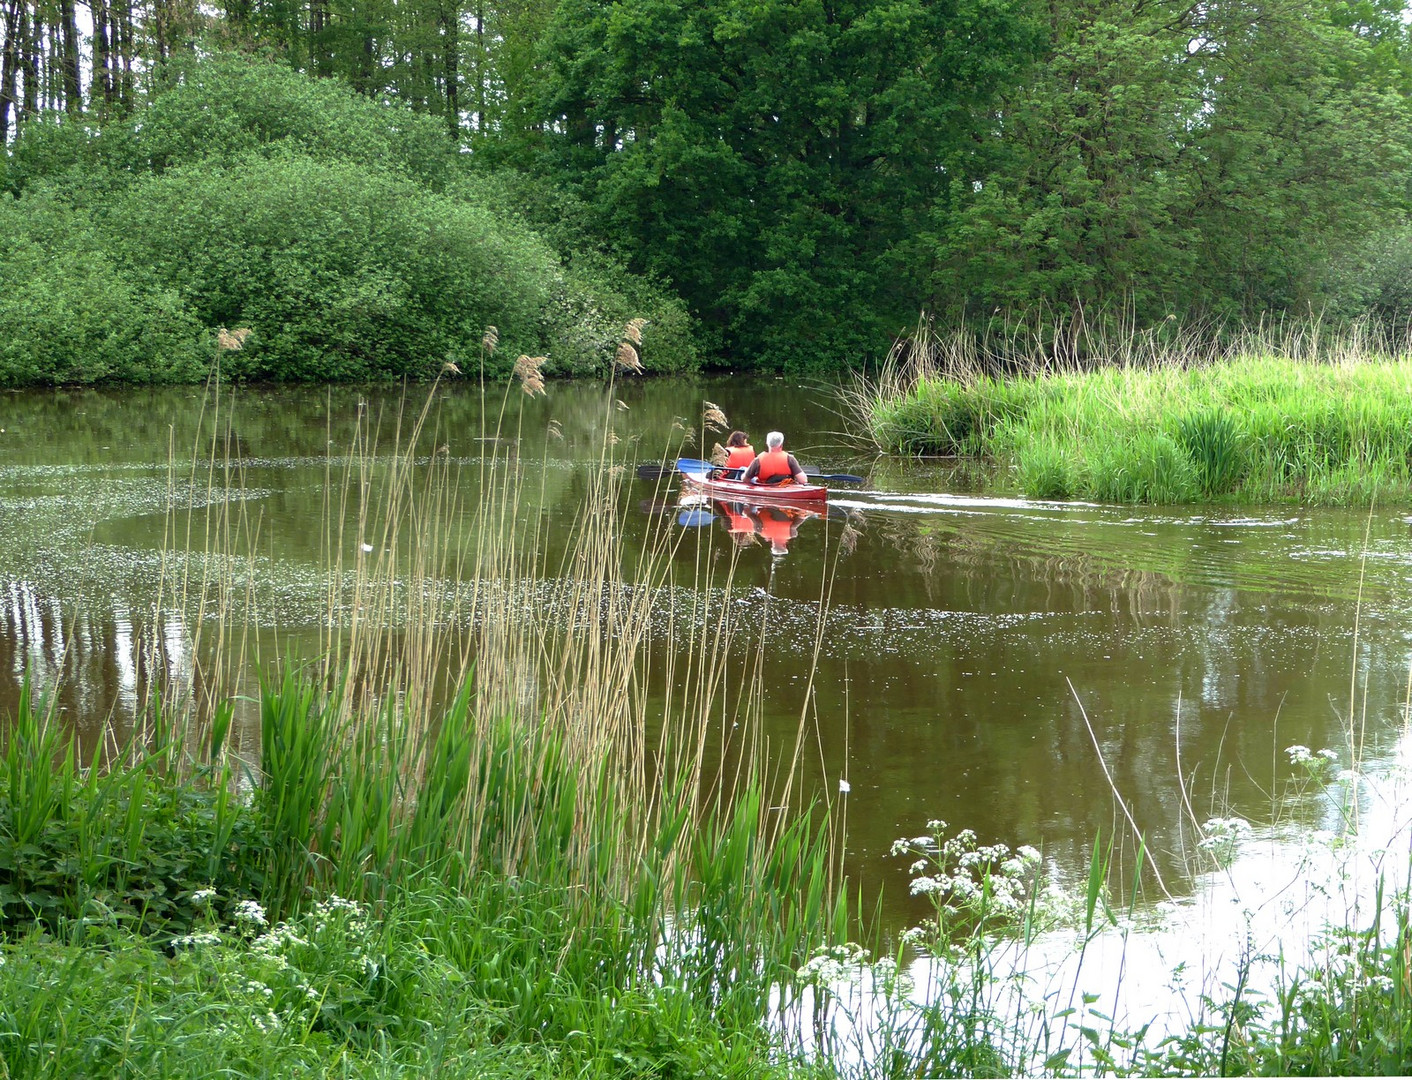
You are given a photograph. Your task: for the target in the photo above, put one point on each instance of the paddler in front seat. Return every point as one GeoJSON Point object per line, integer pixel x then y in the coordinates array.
{"type": "Point", "coordinates": [774, 466]}
{"type": "Point", "coordinates": [739, 452]}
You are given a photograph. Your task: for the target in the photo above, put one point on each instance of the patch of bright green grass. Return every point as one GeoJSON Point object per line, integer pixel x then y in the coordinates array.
{"type": "Point", "coordinates": [1254, 428]}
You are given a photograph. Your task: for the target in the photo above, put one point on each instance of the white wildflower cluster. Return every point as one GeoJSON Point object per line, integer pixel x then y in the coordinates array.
{"type": "Point", "coordinates": [255, 988]}
{"type": "Point", "coordinates": [265, 1021]}
{"type": "Point", "coordinates": [198, 940]}
{"type": "Point", "coordinates": [275, 944]}
{"type": "Point", "coordinates": [1222, 836]}
{"type": "Point", "coordinates": [249, 916]}
{"type": "Point", "coordinates": [1320, 765]}
{"type": "Point", "coordinates": [278, 939]}
{"type": "Point", "coordinates": [1313, 992]}
{"type": "Point", "coordinates": [348, 917]}
{"type": "Point", "coordinates": [985, 883]}
{"type": "Point", "coordinates": [287, 976]}
{"type": "Point", "coordinates": [833, 964]}
{"type": "Point", "coordinates": [333, 941]}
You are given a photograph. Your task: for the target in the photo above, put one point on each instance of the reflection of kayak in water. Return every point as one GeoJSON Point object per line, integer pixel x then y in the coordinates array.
{"type": "Point", "coordinates": [706, 478]}
{"type": "Point", "coordinates": [776, 525]}
{"type": "Point", "coordinates": [745, 521]}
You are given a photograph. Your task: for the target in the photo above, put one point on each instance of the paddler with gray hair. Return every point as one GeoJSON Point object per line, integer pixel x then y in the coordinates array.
{"type": "Point", "coordinates": [775, 465]}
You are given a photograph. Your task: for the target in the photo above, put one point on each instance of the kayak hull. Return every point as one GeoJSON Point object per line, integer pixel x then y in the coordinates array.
{"type": "Point", "coordinates": [755, 494]}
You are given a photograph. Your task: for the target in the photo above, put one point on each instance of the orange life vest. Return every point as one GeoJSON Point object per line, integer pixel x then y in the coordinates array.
{"type": "Point", "coordinates": [773, 463]}
{"type": "Point", "coordinates": [740, 457]}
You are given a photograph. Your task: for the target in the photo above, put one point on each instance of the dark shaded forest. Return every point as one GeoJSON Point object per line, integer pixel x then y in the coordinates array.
{"type": "Point", "coordinates": [781, 185]}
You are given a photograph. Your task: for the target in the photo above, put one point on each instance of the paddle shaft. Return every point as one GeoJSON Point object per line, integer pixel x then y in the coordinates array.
{"type": "Point", "coordinates": [657, 472]}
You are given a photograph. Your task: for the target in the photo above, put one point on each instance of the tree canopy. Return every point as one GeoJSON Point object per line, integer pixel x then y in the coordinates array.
{"type": "Point", "coordinates": [346, 234]}
{"type": "Point", "coordinates": [785, 183]}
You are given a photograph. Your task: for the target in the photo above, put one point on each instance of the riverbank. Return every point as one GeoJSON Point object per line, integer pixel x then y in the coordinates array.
{"type": "Point", "coordinates": [1252, 429]}
{"type": "Point", "coordinates": [159, 922]}
{"type": "Point", "coordinates": [385, 902]}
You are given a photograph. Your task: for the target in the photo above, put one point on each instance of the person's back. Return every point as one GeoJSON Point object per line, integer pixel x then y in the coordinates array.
{"type": "Point", "coordinates": [739, 452]}
{"type": "Point", "coordinates": [775, 465]}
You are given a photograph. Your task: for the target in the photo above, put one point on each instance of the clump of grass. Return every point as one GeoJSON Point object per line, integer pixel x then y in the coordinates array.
{"type": "Point", "coordinates": [1216, 445]}
{"type": "Point", "coordinates": [1254, 427]}
{"type": "Point", "coordinates": [122, 845]}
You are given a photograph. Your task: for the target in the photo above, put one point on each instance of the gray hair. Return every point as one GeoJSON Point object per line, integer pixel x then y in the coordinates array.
{"type": "Point", "coordinates": [774, 440]}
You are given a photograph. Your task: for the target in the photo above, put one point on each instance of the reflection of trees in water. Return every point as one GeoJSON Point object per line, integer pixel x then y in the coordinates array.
{"type": "Point", "coordinates": [101, 671]}
{"type": "Point", "coordinates": [938, 549]}
{"type": "Point", "coordinates": [959, 677]}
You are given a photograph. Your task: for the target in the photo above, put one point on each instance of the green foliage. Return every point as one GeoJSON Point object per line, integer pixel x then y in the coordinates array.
{"type": "Point", "coordinates": [493, 901]}
{"type": "Point", "coordinates": [245, 195]}
{"type": "Point", "coordinates": [348, 991]}
{"type": "Point", "coordinates": [342, 272]}
{"type": "Point", "coordinates": [787, 184]}
{"type": "Point", "coordinates": [1162, 158]}
{"type": "Point", "coordinates": [127, 846]}
{"type": "Point", "coordinates": [1257, 427]}
{"type": "Point", "coordinates": [782, 163]}
{"type": "Point", "coordinates": [69, 313]}
{"type": "Point", "coordinates": [226, 107]}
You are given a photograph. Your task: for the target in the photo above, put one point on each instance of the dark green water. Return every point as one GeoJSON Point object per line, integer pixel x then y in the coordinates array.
{"type": "Point", "coordinates": [974, 648]}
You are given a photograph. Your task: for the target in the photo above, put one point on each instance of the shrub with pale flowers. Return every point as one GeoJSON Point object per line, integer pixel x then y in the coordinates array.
{"type": "Point", "coordinates": [972, 886]}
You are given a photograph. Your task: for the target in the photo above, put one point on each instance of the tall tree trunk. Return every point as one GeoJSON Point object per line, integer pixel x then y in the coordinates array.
{"type": "Point", "coordinates": [125, 51]}
{"type": "Point", "coordinates": [100, 94]}
{"type": "Point", "coordinates": [450, 15]}
{"type": "Point", "coordinates": [318, 45]}
{"type": "Point", "coordinates": [480, 66]}
{"type": "Point", "coordinates": [9, 67]}
{"type": "Point", "coordinates": [29, 64]}
{"type": "Point", "coordinates": [68, 58]}
{"type": "Point", "coordinates": [49, 51]}
{"type": "Point", "coordinates": [160, 22]}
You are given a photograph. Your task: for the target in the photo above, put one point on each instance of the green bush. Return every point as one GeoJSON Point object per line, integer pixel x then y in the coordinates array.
{"type": "Point", "coordinates": [348, 234]}
{"type": "Point", "coordinates": [343, 272]}
{"type": "Point", "coordinates": [129, 846]}
{"type": "Point", "coordinates": [70, 313]}
{"type": "Point", "coordinates": [222, 108]}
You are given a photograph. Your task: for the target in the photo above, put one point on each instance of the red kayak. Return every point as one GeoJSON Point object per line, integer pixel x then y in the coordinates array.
{"type": "Point", "coordinates": [711, 481]}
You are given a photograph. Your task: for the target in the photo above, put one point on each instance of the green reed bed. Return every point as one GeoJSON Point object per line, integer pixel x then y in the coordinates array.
{"type": "Point", "coordinates": [1251, 428]}
{"type": "Point", "coordinates": [459, 852]}
{"type": "Point", "coordinates": [335, 919]}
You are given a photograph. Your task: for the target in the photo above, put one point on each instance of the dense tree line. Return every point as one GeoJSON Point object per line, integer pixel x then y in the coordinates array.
{"type": "Point", "coordinates": [804, 175]}
{"type": "Point", "coordinates": [347, 235]}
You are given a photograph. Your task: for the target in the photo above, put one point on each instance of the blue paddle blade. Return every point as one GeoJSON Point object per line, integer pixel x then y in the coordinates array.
{"type": "Point", "coordinates": [695, 517]}
{"type": "Point", "coordinates": [695, 465]}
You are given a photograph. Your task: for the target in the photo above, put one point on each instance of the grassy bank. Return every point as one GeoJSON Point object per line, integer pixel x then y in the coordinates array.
{"type": "Point", "coordinates": [491, 913]}
{"type": "Point", "coordinates": [1319, 425]}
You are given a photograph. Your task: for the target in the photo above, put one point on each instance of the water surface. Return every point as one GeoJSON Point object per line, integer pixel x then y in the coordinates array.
{"type": "Point", "coordinates": [1002, 664]}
